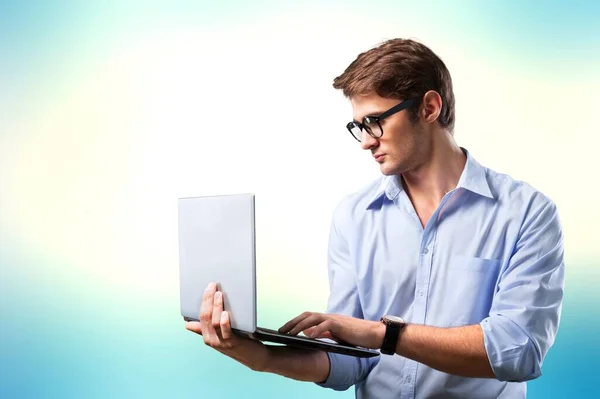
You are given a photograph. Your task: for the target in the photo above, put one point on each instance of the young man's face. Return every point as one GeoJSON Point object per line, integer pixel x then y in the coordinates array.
{"type": "Point", "coordinates": [403, 143]}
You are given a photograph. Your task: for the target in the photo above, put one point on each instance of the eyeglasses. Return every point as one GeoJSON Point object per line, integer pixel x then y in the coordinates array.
{"type": "Point", "coordinates": [372, 124]}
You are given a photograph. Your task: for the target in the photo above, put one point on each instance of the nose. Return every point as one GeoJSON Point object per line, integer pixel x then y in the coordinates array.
{"type": "Point", "coordinates": [367, 141]}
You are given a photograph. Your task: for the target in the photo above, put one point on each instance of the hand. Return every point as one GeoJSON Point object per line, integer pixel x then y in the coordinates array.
{"type": "Point", "coordinates": [215, 327]}
{"type": "Point", "coordinates": [359, 332]}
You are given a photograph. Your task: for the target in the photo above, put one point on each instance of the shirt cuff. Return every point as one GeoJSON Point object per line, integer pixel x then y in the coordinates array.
{"type": "Point", "coordinates": [345, 371]}
{"type": "Point", "coordinates": [510, 350]}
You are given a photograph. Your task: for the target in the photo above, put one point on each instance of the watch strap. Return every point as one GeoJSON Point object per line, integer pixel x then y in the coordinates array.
{"type": "Point", "coordinates": [390, 339]}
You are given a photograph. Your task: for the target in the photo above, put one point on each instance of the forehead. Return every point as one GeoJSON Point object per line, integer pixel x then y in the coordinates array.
{"type": "Point", "coordinates": [371, 104]}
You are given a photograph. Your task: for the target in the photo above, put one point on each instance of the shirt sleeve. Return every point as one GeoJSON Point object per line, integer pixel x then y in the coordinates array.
{"type": "Point", "coordinates": [525, 313]}
{"type": "Point", "coordinates": [344, 371]}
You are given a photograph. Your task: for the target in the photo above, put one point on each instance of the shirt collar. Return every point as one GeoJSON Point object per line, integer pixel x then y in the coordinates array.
{"type": "Point", "coordinates": [472, 178]}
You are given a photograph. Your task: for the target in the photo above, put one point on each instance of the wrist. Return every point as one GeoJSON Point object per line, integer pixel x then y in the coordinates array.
{"type": "Point", "coordinates": [268, 361]}
{"type": "Point", "coordinates": [379, 334]}
{"type": "Point", "coordinates": [393, 327]}
{"type": "Point", "coordinates": [298, 364]}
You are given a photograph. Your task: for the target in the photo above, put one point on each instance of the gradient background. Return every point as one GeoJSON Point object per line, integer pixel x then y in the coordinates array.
{"type": "Point", "coordinates": [109, 112]}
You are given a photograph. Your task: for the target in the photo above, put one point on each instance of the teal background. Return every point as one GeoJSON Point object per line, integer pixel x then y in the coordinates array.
{"type": "Point", "coordinates": [88, 258]}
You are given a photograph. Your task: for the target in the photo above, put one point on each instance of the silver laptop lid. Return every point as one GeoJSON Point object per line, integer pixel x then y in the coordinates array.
{"type": "Point", "coordinates": [217, 244]}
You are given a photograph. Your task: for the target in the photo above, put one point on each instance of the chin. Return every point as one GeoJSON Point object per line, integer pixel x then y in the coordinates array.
{"type": "Point", "coordinates": [385, 171]}
{"type": "Point", "coordinates": [391, 169]}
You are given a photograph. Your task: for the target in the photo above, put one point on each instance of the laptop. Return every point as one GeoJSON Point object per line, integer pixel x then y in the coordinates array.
{"type": "Point", "coordinates": [217, 244]}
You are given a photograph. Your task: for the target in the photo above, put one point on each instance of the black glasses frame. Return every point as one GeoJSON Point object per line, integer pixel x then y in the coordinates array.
{"type": "Point", "coordinates": [370, 119]}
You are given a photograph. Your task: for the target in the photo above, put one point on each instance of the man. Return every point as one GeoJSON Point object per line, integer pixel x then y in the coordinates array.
{"type": "Point", "coordinates": [453, 270]}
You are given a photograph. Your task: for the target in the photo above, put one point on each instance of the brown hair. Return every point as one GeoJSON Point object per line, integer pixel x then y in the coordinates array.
{"type": "Point", "coordinates": [403, 69]}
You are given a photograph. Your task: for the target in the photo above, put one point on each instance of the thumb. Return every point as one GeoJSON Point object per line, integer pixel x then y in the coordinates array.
{"type": "Point", "coordinates": [193, 326]}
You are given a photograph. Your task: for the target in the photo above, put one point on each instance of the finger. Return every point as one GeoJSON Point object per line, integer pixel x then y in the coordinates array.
{"type": "Point", "coordinates": [292, 323]}
{"type": "Point", "coordinates": [309, 332]}
{"type": "Point", "coordinates": [206, 310]}
{"type": "Point", "coordinates": [194, 326]}
{"type": "Point", "coordinates": [225, 326]}
{"type": "Point", "coordinates": [217, 310]}
{"type": "Point", "coordinates": [308, 322]}
{"type": "Point", "coordinates": [327, 335]}
{"type": "Point", "coordinates": [325, 327]}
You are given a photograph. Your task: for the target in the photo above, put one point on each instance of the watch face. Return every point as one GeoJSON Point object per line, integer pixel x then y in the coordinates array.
{"type": "Point", "coordinates": [394, 319]}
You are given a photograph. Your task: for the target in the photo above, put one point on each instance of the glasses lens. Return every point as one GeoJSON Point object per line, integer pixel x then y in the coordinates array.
{"type": "Point", "coordinates": [373, 127]}
{"type": "Point", "coordinates": [355, 130]}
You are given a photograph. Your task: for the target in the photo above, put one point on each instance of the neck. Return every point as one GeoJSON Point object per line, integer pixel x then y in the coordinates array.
{"type": "Point", "coordinates": [438, 173]}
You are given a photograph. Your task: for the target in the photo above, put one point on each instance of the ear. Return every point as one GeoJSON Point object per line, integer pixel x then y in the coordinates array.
{"type": "Point", "coordinates": [431, 106]}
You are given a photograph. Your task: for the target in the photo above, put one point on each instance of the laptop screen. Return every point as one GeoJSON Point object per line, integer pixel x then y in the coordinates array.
{"type": "Point", "coordinates": [217, 244]}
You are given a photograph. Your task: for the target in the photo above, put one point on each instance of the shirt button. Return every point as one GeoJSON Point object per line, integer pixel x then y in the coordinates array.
{"type": "Point", "coordinates": [425, 251]}
{"type": "Point", "coordinates": [421, 293]}
{"type": "Point", "coordinates": [408, 379]}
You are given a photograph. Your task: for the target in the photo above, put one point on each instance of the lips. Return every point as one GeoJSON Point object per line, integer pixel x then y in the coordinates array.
{"type": "Point", "coordinates": [378, 157]}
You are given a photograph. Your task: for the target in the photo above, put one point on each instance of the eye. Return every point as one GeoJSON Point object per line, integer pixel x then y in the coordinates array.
{"type": "Point", "coordinates": [370, 122]}
{"type": "Point", "coordinates": [372, 125]}
{"type": "Point", "coordinates": [369, 119]}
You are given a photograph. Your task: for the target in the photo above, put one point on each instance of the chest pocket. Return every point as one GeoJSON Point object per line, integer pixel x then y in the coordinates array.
{"type": "Point", "coordinates": [467, 285]}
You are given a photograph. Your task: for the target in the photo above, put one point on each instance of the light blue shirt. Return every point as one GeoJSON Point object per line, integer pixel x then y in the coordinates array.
{"type": "Point", "coordinates": [491, 254]}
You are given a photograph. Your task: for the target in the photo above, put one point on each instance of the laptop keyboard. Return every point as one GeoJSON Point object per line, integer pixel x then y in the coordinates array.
{"type": "Point", "coordinates": [279, 333]}
{"type": "Point", "coordinates": [304, 337]}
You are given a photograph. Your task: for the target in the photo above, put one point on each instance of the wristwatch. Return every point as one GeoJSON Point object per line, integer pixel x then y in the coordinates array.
{"type": "Point", "coordinates": [393, 326]}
